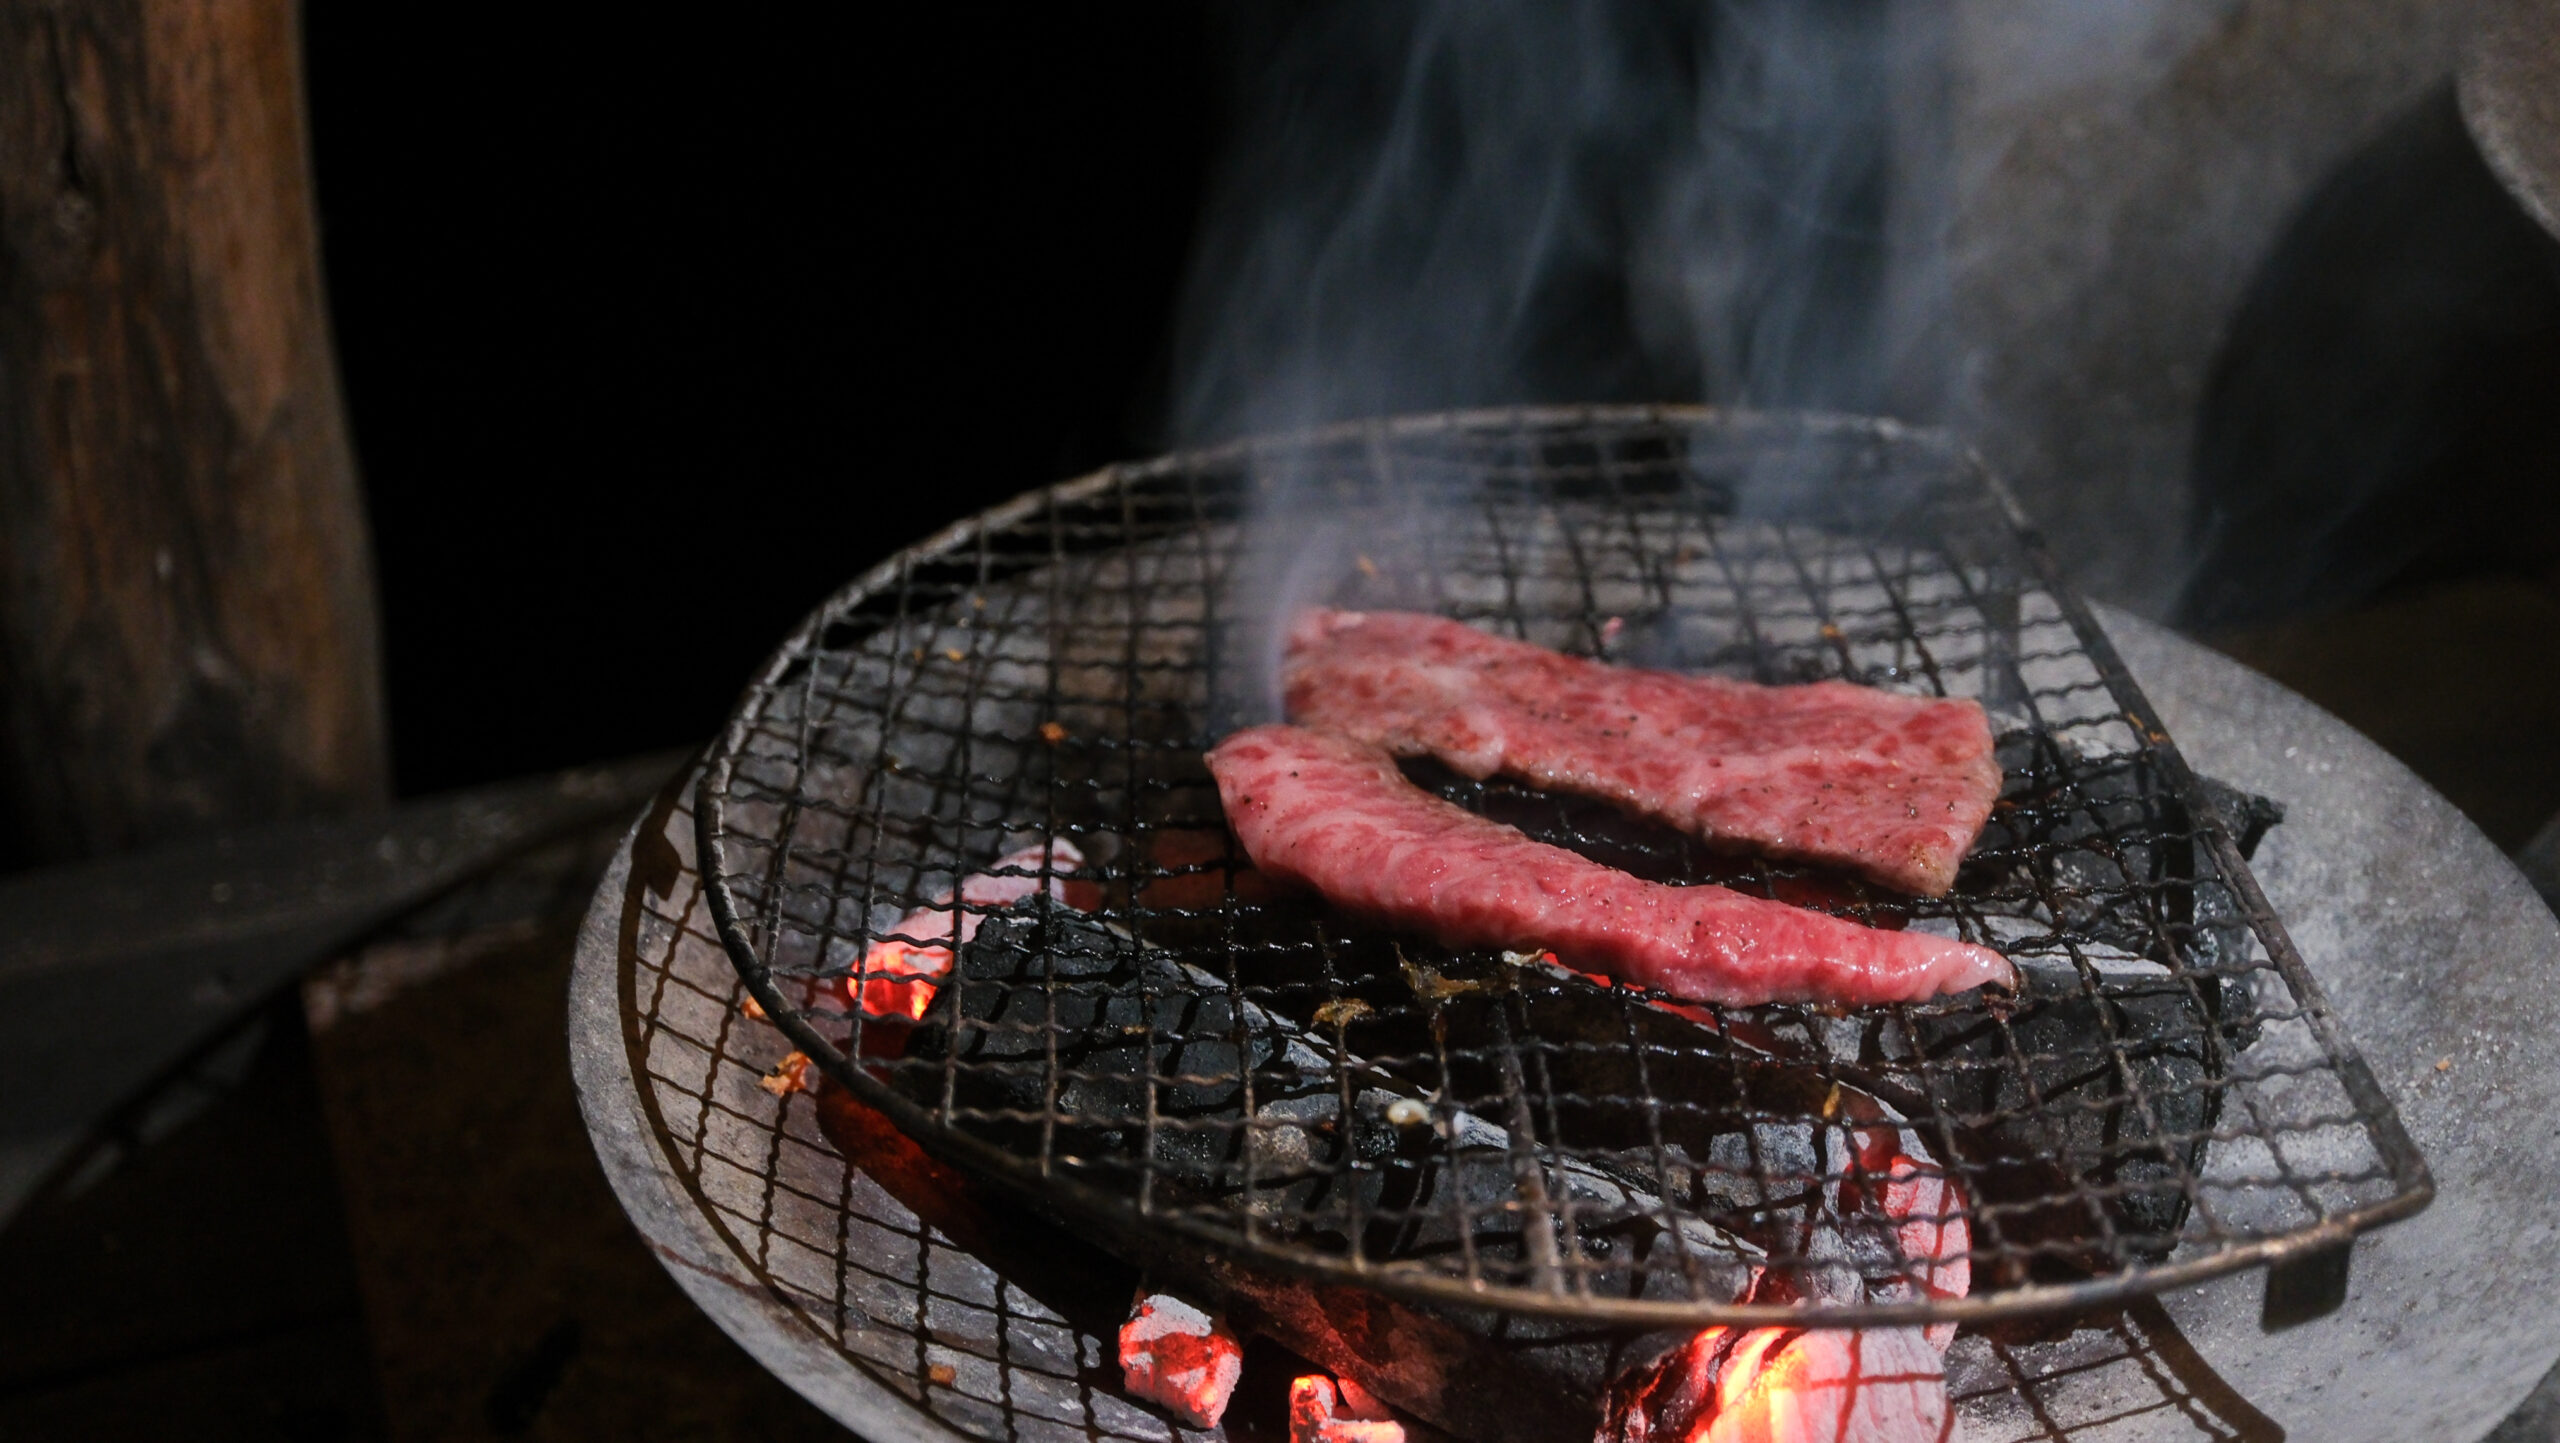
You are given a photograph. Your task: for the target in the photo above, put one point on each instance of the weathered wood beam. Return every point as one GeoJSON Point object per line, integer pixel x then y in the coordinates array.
{"type": "Point", "coordinates": [187, 623]}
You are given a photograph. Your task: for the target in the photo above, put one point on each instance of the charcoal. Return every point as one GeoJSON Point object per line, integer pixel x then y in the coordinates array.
{"type": "Point", "coordinates": [2053, 1119]}
{"type": "Point", "coordinates": [2245, 815]}
{"type": "Point", "coordinates": [2119, 855]}
{"type": "Point", "coordinates": [1118, 1018]}
{"type": "Point", "coordinates": [1122, 1018]}
{"type": "Point", "coordinates": [1725, 1122]}
{"type": "Point", "coordinates": [2125, 1135]}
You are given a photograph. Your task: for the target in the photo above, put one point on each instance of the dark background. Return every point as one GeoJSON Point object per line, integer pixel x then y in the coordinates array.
{"type": "Point", "coordinates": [651, 337]}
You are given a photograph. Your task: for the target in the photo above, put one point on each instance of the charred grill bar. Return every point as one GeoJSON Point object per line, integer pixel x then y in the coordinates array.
{"type": "Point", "coordinates": [2166, 1099]}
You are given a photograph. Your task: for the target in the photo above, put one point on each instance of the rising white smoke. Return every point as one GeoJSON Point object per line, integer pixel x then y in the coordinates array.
{"type": "Point", "coordinates": [1494, 201]}
{"type": "Point", "coordinates": [2025, 219]}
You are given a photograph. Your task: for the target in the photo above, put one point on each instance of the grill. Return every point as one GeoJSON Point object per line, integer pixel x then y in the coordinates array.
{"type": "Point", "coordinates": [1187, 1067]}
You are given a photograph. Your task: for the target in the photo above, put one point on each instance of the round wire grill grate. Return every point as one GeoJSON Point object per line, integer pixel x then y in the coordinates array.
{"type": "Point", "coordinates": [1151, 1045]}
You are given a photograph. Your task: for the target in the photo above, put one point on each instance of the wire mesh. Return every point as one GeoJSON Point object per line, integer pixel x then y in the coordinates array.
{"type": "Point", "coordinates": [985, 1348]}
{"type": "Point", "coordinates": [992, 746]}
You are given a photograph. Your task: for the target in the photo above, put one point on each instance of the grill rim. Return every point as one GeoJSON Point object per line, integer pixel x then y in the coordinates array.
{"type": "Point", "coordinates": [1179, 1238]}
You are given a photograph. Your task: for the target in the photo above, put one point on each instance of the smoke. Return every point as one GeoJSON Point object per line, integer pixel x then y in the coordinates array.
{"type": "Point", "coordinates": [1490, 202]}
{"type": "Point", "coordinates": [1456, 203]}
{"type": "Point", "coordinates": [1760, 203]}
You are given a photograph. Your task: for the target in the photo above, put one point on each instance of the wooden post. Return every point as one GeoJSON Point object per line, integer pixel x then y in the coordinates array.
{"type": "Point", "coordinates": [187, 627]}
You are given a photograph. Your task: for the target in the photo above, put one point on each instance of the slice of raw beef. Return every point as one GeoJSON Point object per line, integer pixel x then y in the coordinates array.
{"type": "Point", "coordinates": [1895, 787]}
{"type": "Point", "coordinates": [1335, 815]}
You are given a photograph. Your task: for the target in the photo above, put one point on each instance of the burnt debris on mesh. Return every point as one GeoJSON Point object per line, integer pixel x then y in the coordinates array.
{"type": "Point", "coordinates": [1196, 1059]}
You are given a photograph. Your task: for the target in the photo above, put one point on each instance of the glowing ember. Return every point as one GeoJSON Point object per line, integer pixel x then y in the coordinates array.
{"type": "Point", "coordinates": [1785, 1385]}
{"type": "Point", "coordinates": [1331, 1410]}
{"type": "Point", "coordinates": [1931, 1229]}
{"type": "Point", "coordinates": [898, 978]}
{"type": "Point", "coordinates": [1888, 1170]}
{"type": "Point", "coordinates": [898, 975]}
{"type": "Point", "coordinates": [1180, 1357]}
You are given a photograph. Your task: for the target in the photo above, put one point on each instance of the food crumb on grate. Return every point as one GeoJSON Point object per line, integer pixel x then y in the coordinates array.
{"type": "Point", "coordinates": [942, 1375]}
{"type": "Point", "coordinates": [1342, 1010]}
{"type": "Point", "coordinates": [1429, 984]}
{"type": "Point", "coordinates": [790, 1075]}
{"type": "Point", "coordinates": [1052, 733]}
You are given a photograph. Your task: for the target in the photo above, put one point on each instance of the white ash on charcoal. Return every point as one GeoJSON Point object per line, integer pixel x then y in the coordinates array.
{"type": "Point", "coordinates": [1180, 1356]}
{"type": "Point", "coordinates": [905, 963]}
{"type": "Point", "coordinates": [1715, 1113]}
{"type": "Point", "coordinates": [2050, 1135]}
{"type": "Point", "coordinates": [1150, 1084]}
{"type": "Point", "coordinates": [1338, 1410]}
{"type": "Point", "coordinates": [1122, 1015]}
{"type": "Point", "coordinates": [2114, 842]}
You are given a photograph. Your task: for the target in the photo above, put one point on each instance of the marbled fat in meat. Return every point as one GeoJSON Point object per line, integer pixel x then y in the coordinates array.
{"type": "Point", "coordinates": [1335, 815]}
{"type": "Point", "coordinates": [1895, 787]}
